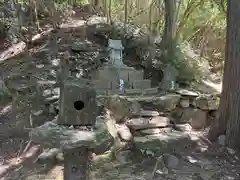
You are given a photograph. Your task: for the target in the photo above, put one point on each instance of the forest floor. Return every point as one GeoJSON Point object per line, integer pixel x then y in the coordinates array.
{"type": "Point", "coordinates": [18, 162]}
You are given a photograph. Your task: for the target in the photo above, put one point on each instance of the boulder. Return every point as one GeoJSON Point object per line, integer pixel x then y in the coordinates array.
{"type": "Point", "coordinates": [163, 142]}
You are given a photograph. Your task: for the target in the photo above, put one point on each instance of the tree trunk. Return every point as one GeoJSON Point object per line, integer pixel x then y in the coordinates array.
{"type": "Point", "coordinates": [169, 35]}
{"type": "Point", "coordinates": [229, 114]}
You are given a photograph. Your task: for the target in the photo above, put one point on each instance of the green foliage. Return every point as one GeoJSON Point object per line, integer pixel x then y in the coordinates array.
{"type": "Point", "coordinates": [187, 66]}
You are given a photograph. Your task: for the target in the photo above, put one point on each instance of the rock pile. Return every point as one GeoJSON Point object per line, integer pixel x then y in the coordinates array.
{"type": "Point", "coordinates": [159, 131]}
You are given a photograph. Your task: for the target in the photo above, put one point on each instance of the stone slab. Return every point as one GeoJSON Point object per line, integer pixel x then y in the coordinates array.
{"type": "Point", "coordinates": [133, 91]}
{"type": "Point", "coordinates": [146, 123]}
{"type": "Point", "coordinates": [135, 75]}
{"type": "Point", "coordinates": [142, 84]}
{"type": "Point", "coordinates": [149, 91]}
{"type": "Point", "coordinates": [115, 91]}
{"type": "Point", "coordinates": [101, 92]}
{"type": "Point", "coordinates": [102, 84]}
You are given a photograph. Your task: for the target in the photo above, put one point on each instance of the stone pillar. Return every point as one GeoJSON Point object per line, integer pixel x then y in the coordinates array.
{"type": "Point", "coordinates": [76, 164]}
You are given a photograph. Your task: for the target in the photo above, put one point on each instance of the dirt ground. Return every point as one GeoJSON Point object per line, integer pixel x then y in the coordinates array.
{"type": "Point", "coordinates": [18, 158]}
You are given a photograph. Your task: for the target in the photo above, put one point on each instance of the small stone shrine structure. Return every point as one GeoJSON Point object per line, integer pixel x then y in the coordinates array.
{"type": "Point", "coordinates": [115, 51]}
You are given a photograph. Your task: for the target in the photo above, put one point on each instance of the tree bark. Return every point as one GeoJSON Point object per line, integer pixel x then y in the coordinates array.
{"type": "Point", "coordinates": [229, 114]}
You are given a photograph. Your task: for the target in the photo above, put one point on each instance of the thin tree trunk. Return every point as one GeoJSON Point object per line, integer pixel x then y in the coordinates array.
{"type": "Point", "coordinates": [229, 114]}
{"type": "Point", "coordinates": [169, 36]}
{"type": "Point", "coordinates": [125, 14]}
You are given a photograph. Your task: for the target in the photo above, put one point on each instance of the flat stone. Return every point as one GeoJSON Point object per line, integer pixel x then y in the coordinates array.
{"type": "Point", "coordinates": [163, 142]}
{"type": "Point", "coordinates": [146, 123]}
{"type": "Point", "coordinates": [150, 131]}
{"type": "Point", "coordinates": [148, 113]}
{"type": "Point", "coordinates": [186, 92]}
{"type": "Point", "coordinates": [133, 91]}
{"type": "Point", "coordinates": [150, 91]}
